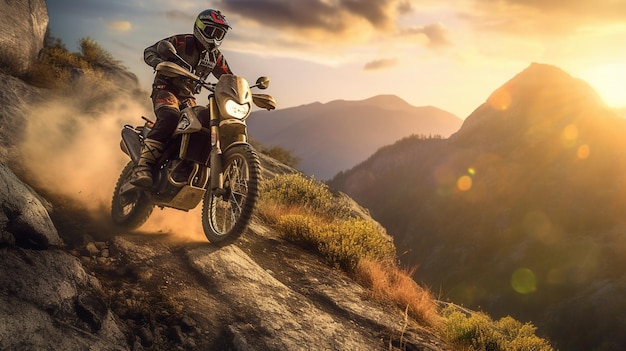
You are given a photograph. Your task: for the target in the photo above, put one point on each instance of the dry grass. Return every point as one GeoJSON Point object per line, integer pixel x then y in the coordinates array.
{"type": "Point", "coordinates": [388, 282]}
{"type": "Point", "coordinates": [270, 212]}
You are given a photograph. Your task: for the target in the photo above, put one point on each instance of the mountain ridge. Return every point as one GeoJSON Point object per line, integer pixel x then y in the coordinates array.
{"type": "Point", "coordinates": [532, 186]}
{"type": "Point", "coordinates": [337, 135]}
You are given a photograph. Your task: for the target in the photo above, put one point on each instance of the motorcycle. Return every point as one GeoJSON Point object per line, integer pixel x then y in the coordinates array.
{"type": "Point", "coordinates": [208, 159]}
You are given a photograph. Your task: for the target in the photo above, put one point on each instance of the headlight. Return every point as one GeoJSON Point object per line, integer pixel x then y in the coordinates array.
{"type": "Point", "coordinates": [236, 110]}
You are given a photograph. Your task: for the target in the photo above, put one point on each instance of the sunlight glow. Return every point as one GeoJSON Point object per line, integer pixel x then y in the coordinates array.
{"type": "Point", "coordinates": [500, 99]}
{"type": "Point", "coordinates": [608, 81]}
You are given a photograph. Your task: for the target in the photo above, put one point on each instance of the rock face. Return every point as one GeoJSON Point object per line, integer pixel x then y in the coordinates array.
{"type": "Point", "coordinates": [23, 217]}
{"type": "Point", "coordinates": [14, 95]}
{"type": "Point", "coordinates": [49, 302]}
{"type": "Point", "coordinates": [23, 27]}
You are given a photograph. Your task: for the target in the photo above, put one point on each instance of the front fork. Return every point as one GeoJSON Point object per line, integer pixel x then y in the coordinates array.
{"type": "Point", "coordinates": [217, 175]}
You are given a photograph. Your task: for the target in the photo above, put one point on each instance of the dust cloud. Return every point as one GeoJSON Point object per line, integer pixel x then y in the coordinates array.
{"type": "Point", "coordinates": [77, 156]}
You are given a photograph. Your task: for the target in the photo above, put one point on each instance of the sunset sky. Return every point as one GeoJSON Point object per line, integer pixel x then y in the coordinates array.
{"type": "Point", "coordinates": [446, 53]}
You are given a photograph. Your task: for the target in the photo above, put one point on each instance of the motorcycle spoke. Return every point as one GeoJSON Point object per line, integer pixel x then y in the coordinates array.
{"type": "Point", "coordinates": [226, 213]}
{"type": "Point", "coordinates": [230, 207]}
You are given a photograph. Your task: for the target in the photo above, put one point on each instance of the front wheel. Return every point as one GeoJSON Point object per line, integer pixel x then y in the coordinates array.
{"type": "Point", "coordinates": [225, 215]}
{"type": "Point", "coordinates": [131, 208]}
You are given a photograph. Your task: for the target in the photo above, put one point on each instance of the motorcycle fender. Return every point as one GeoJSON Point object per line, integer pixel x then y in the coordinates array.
{"type": "Point", "coordinates": [235, 144]}
{"type": "Point", "coordinates": [131, 144]}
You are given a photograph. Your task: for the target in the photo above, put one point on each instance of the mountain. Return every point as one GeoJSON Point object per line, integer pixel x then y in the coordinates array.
{"type": "Point", "coordinates": [335, 136]}
{"type": "Point", "coordinates": [520, 212]}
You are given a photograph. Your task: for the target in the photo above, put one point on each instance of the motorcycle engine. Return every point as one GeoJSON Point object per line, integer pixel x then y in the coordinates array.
{"type": "Point", "coordinates": [179, 171]}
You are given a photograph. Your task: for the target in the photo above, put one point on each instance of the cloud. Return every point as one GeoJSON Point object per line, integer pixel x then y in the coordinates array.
{"type": "Point", "coordinates": [320, 19]}
{"type": "Point", "coordinates": [380, 64]}
{"type": "Point", "coordinates": [176, 15]}
{"type": "Point", "coordinates": [120, 26]}
{"type": "Point", "coordinates": [437, 34]}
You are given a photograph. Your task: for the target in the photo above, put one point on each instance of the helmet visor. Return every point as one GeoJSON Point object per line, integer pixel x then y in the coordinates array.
{"type": "Point", "coordinates": [211, 31]}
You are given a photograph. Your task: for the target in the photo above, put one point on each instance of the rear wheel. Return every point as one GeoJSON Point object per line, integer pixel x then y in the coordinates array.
{"type": "Point", "coordinates": [226, 216]}
{"type": "Point", "coordinates": [132, 208]}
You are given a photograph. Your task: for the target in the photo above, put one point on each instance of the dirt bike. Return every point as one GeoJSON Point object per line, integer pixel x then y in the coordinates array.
{"type": "Point", "coordinates": [208, 159]}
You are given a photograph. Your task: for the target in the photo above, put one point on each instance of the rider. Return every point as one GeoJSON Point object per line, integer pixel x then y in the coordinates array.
{"type": "Point", "coordinates": [200, 50]}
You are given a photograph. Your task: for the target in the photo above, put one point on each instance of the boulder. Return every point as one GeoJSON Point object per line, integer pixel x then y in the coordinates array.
{"type": "Point", "coordinates": [49, 302]}
{"type": "Point", "coordinates": [23, 26]}
{"type": "Point", "coordinates": [24, 218]}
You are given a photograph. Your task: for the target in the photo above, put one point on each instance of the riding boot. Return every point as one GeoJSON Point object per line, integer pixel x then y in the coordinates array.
{"type": "Point", "coordinates": [151, 151]}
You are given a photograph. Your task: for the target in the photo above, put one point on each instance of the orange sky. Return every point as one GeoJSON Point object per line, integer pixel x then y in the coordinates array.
{"type": "Point", "coordinates": [447, 53]}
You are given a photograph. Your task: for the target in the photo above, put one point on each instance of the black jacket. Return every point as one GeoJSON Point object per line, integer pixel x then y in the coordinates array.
{"type": "Point", "coordinates": [203, 62]}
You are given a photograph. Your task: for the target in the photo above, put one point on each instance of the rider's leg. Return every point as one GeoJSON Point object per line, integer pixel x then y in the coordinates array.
{"type": "Point", "coordinates": [151, 151]}
{"type": "Point", "coordinates": [166, 111]}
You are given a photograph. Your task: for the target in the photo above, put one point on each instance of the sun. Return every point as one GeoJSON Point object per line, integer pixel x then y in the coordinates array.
{"type": "Point", "coordinates": [609, 81]}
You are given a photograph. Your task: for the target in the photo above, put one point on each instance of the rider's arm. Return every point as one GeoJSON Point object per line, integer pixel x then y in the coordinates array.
{"type": "Point", "coordinates": [151, 56]}
{"type": "Point", "coordinates": [221, 66]}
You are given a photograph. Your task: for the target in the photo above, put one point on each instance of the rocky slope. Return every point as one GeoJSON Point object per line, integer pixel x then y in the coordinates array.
{"type": "Point", "coordinates": [520, 212]}
{"type": "Point", "coordinates": [87, 286]}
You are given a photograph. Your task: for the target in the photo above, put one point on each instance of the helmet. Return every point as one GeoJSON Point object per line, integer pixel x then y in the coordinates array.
{"type": "Point", "coordinates": [210, 28]}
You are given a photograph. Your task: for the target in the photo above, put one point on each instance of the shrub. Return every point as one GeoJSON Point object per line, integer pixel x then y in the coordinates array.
{"type": "Point", "coordinates": [55, 68]}
{"type": "Point", "coordinates": [291, 190]}
{"type": "Point", "coordinates": [59, 69]}
{"type": "Point", "coordinates": [282, 155]}
{"type": "Point", "coordinates": [475, 329]}
{"type": "Point", "coordinates": [342, 243]}
{"type": "Point", "coordinates": [96, 56]}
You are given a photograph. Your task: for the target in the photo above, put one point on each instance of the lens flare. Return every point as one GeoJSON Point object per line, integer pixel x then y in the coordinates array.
{"type": "Point", "coordinates": [569, 135]}
{"type": "Point", "coordinates": [523, 281]}
{"type": "Point", "coordinates": [464, 183]}
{"type": "Point", "coordinates": [583, 152]}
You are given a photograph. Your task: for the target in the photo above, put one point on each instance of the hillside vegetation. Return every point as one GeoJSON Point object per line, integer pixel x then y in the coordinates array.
{"type": "Point", "coordinates": [307, 213]}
